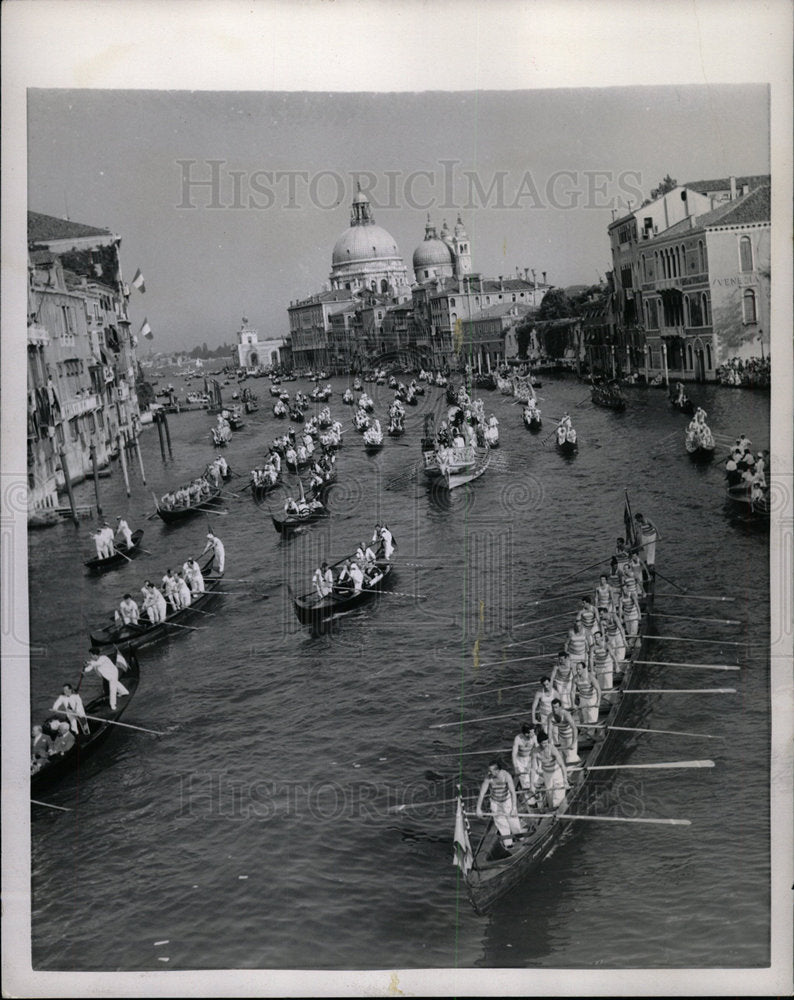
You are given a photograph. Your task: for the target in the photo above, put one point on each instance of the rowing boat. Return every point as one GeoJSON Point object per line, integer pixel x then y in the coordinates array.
{"type": "Point", "coordinates": [312, 609]}
{"type": "Point", "coordinates": [99, 728]}
{"type": "Point", "coordinates": [610, 397]}
{"type": "Point", "coordinates": [99, 565]}
{"type": "Point", "coordinates": [742, 494]}
{"type": "Point", "coordinates": [294, 522]}
{"type": "Point", "coordinates": [532, 420]}
{"type": "Point", "coordinates": [567, 441]}
{"type": "Point", "coordinates": [177, 513]}
{"type": "Point", "coordinates": [458, 466]}
{"type": "Point", "coordinates": [495, 870]}
{"type": "Point", "coordinates": [145, 632]}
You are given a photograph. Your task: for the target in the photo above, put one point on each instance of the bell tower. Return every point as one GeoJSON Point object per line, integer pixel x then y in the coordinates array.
{"type": "Point", "coordinates": [461, 247]}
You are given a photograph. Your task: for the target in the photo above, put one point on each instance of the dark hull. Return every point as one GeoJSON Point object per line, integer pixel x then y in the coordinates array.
{"type": "Point", "coordinates": [699, 454]}
{"type": "Point", "coordinates": [98, 565]}
{"type": "Point", "coordinates": [178, 514]}
{"type": "Point", "coordinates": [533, 425]}
{"type": "Point", "coordinates": [289, 525]}
{"type": "Point", "coordinates": [496, 871]}
{"type": "Point", "coordinates": [55, 768]}
{"type": "Point", "coordinates": [568, 447]}
{"type": "Point", "coordinates": [687, 406]}
{"type": "Point", "coordinates": [741, 496]}
{"type": "Point", "coordinates": [145, 633]}
{"type": "Point", "coordinates": [609, 402]}
{"type": "Point", "coordinates": [373, 449]}
{"type": "Point", "coordinates": [311, 610]}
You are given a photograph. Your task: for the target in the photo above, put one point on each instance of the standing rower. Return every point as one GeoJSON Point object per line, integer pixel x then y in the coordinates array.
{"type": "Point", "coordinates": [564, 731]}
{"type": "Point", "coordinates": [109, 672]}
{"type": "Point", "coordinates": [499, 787]}
{"type": "Point", "coordinates": [562, 679]}
{"type": "Point", "coordinates": [541, 704]}
{"type": "Point", "coordinates": [522, 754]}
{"type": "Point", "coordinates": [123, 529]}
{"type": "Point", "coordinates": [214, 543]}
{"type": "Point", "coordinates": [71, 704]}
{"type": "Point", "coordinates": [555, 773]}
{"type": "Point", "coordinates": [588, 697]}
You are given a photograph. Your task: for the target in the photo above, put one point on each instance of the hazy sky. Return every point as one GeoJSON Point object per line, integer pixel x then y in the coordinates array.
{"type": "Point", "coordinates": [534, 175]}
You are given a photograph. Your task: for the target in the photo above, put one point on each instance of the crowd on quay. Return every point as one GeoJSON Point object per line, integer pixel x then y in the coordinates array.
{"type": "Point", "coordinates": [565, 706]}
{"type": "Point", "coordinates": [743, 467]}
{"type": "Point", "coordinates": [752, 372]}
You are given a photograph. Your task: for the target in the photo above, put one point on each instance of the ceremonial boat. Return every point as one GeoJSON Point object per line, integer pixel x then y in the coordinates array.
{"type": "Point", "coordinates": [99, 728]}
{"type": "Point", "coordinates": [699, 449]}
{"type": "Point", "coordinates": [458, 466]}
{"type": "Point", "coordinates": [145, 632]}
{"type": "Point", "coordinates": [567, 440]}
{"type": "Point", "coordinates": [532, 420]}
{"type": "Point", "coordinates": [120, 557]}
{"type": "Point", "coordinates": [312, 609]}
{"type": "Point", "coordinates": [494, 869]}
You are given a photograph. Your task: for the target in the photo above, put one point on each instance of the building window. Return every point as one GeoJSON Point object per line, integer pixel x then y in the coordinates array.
{"type": "Point", "coordinates": [702, 268]}
{"type": "Point", "coordinates": [708, 356]}
{"type": "Point", "coordinates": [689, 356]}
{"type": "Point", "coordinates": [452, 302]}
{"type": "Point", "coordinates": [746, 256]}
{"type": "Point", "coordinates": [748, 306]}
{"type": "Point", "coordinates": [705, 302]}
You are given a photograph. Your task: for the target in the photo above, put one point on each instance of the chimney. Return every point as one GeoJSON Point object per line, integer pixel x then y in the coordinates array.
{"type": "Point", "coordinates": [501, 283]}
{"type": "Point", "coordinates": [534, 279]}
{"type": "Point", "coordinates": [526, 274]}
{"type": "Point", "coordinates": [745, 189]}
{"type": "Point", "coordinates": [733, 188]}
{"type": "Point", "coordinates": [544, 277]}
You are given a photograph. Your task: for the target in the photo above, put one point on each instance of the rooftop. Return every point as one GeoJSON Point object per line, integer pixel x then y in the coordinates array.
{"type": "Point", "coordinates": [724, 183]}
{"type": "Point", "coordinates": [47, 227]}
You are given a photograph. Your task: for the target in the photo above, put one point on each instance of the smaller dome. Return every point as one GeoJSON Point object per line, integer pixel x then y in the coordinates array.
{"type": "Point", "coordinates": [360, 198]}
{"type": "Point", "coordinates": [431, 253]}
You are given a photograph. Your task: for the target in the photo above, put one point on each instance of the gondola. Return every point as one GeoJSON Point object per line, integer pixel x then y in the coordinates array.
{"type": "Point", "coordinates": [314, 610]}
{"type": "Point", "coordinates": [495, 871]}
{"type": "Point", "coordinates": [608, 396]}
{"type": "Point", "coordinates": [458, 466]}
{"type": "Point", "coordinates": [372, 448]}
{"type": "Point", "coordinates": [742, 495]}
{"type": "Point", "coordinates": [296, 415]}
{"type": "Point", "coordinates": [699, 452]}
{"type": "Point", "coordinates": [98, 565]}
{"type": "Point", "coordinates": [567, 444]}
{"type": "Point", "coordinates": [145, 632]}
{"type": "Point", "coordinates": [685, 405]}
{"type": "Point", "coordinates": [173, 515]}
{"type": "Point", "coordinates": [291, 523]}
{"type": "Point", "coordinates": [98, 729]}
{"type": "Point", "coordinates": [533, 421]}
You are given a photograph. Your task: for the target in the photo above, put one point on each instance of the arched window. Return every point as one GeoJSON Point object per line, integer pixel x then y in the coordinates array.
{"type": "Point", "coordinates": [452, 302]}
{"type": "Point", "coordinates": [705, 304]}
{"type": "Point", "coordinates": [745, 254]}
{"type": "Point", "coordinates": [374, 286]}
{"type": "Point", "coordinates": [689, 356]}
{"type": "Point", "coordinates": [702, 268]}
{"type": "Point", "coordinates": [384, 285]}
{"type": "Point", "coordinates": [708, 356]}
{"type": "Point", "coordinates": [748, 306]}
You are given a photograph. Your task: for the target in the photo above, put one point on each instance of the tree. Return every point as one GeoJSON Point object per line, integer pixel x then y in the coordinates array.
{"type": "Point", "coordinates": [524, 334]}
{"type": "Point", "coordinates": [556, 305]}
{"type": "Point", "coordinates": [664, 186]}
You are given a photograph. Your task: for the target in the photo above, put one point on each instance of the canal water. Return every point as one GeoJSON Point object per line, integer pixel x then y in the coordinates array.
{"type": "Point", "coordinates": [259, 832]}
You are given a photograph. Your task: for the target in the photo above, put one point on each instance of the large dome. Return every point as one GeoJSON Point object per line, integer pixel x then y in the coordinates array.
{"type": "Point", "coordinates": [432, 253]}
{"type": "Point", "coordinates": [361, 243]}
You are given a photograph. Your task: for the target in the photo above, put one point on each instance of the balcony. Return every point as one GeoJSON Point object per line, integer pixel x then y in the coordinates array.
{"type": "Point", "coordinates": [38, 336]}
{"type": "Point", "coordinates": [82, 404]}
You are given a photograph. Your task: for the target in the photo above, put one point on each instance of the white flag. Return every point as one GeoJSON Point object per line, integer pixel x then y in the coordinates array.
{"type": "Point", "coordinates": [137, 281]}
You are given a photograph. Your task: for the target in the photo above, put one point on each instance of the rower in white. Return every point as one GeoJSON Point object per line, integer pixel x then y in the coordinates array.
{"type": "Point", "coordinates": [123, 529]}
{"type": "Point", "coordinates": [214, 543]}
{"type": "Point", "coordinates": [109, 672]}
{"type": "Point", "coordinates": [323, 580]}
{"type": "Point", "coordinates": [70, 702]}
{"type": "Point", "coordinates": [128, 610]}
{"type": "Point", "coordinates": [193, 576]}
{"type": "Point", "coordinates": [499, 787]}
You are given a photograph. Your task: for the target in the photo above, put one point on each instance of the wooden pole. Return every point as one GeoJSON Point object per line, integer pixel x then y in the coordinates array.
{"type": "Point", "coordinates": [92, 452]}
{"type": "Point", "coordinates": [122, 445]}
{"type": "Point", "coordinates": [140, 459]}
{"type": "Point", "coordinates": [68, 481]}
{"type": "Point", "coordinates": [167, 435]}
{"type": "Point", "coordinates": [159, 424]}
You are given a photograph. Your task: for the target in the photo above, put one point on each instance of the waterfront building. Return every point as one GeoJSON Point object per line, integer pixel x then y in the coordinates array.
{"type": "Point", "coordinates": [252, 353]}
{"type": "Point", "coordinates": [82, 363]}
{"type": "Point", "coordinates": [692, 273]}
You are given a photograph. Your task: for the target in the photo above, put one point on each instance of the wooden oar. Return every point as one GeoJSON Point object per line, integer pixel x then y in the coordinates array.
{"type": "Point", "coordinates": [602, 819]}
{"type": "Point", "coordinates": [665, 732]}
{"type": "Point", "coordinates": [697, 666]}
{"type": "Point", "coordinates": [485, 718]}
{"type": "Point", "coordinates": [421, 805]}
{"type": "Point", "coordinates": [48, 805]}
{"type": "Point", "coordinates": [646, 767]}
{"type": "Point", "coordinates": [193, 628]}
{"type": "Point", "coordinates": [536, 638]}
{"type": "Point", "coordinates": [198, 611]}
{"type": "Point", "coordinates": [677, 690]}
{"type": "Point", "coordinates": [392, 593]}
{"type": "Point", "coordinates": [120, 553]}
{"type": "Point", "coordinates": [469, 753]}
{"type": "Point", "coordinates": [683, 638]}
{"type": "Point", "coordinates": [694, 597]}
{"type": "Point", "coordinates": [565, 579]}
{"type": "Point", "coordinates": [686, 618]}
{"type": "Point", "coordinates": [126, 725]}
{"type": "Point", "coordinates": [663, 577]}
{"type": "Point", "coordinates": [497, 690]}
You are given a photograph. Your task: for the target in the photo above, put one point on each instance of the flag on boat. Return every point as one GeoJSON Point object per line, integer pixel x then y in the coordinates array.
{"type": "Point", "coordinates": [121, 663]}
{"type": "Point", "coordinates": [463, 856]}
{"type": "Point", "coordinates": [137, 281]}
{"type": "Point", "coordinates": [628, 521]}
{"type": "Point", "coordinates": [146, 330]}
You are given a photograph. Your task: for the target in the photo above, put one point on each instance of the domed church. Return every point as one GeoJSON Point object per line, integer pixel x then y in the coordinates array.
{"type": "Point", "coordinates": [366, 256]}
{"type": "Point", "coordinates": [442, 255]}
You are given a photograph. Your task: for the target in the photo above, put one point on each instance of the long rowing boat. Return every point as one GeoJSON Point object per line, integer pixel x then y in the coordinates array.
{"type": "Point", "coordinates": [495, 870]}
{"type": "Point", "coordinates": [145, 632]}
{"type": "Point", "coordinates": [120, 557]}
{"type": "Point", "coordinates": [99, 728]}
{"type": "Point", "coordinates": [179, 512]}
{"type": "Point", "coordinates": [312, 609]}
